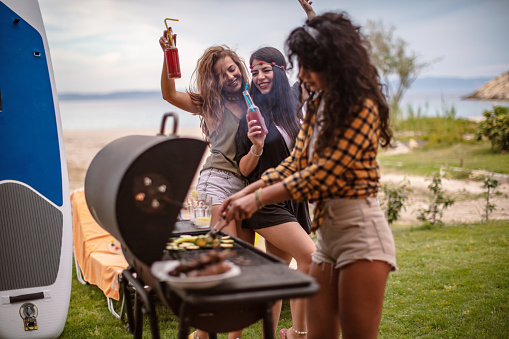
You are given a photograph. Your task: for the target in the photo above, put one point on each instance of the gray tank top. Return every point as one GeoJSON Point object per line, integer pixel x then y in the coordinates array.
{"type": "Point", "coordinates": [222, 145]}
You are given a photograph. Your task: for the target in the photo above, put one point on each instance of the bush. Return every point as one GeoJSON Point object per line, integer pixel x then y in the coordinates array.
{"type": "Point", "coordinates": [439, 202]}
{"type": "Point", "coordinates": [496, 128]}
{"type": "Point", "coordinates": [394, 199]}
{"type": "Point", "coordinates": [490, 184]}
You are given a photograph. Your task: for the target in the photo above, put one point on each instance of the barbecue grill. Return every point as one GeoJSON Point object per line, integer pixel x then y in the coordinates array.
{"type": "Point", "coordinates": [135, 188]}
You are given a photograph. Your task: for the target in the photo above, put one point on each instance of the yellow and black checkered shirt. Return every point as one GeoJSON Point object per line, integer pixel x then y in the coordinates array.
{"type": "Point", "coordinates": [345, 169]}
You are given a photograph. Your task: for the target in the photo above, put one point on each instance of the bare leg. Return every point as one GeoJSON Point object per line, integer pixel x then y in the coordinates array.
{"type": "Point", "coordinates": [248, 236]}
{"type": "Point", "coordinates": [361, 296]}
{"type": "Point", "coordinates": [276, 308]}
{"type": "Point", "coordinates": [349, 299]}
{"type": "Point", "coordinates": [286, 241]}
{"type": "Point", "coordinates": [323, 308]}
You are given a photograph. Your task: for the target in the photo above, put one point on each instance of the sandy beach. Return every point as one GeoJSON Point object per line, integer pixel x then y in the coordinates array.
{"type": "Point", "coordinates": [82, 146]}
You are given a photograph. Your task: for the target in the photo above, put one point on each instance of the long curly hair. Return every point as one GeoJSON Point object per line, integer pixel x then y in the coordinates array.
{"type": "Point", "coordinates": [281, 105]}
{"type": "Point", "coordinates": [207, 90]}
{"type": "Point", "coordinates": [335, 47]}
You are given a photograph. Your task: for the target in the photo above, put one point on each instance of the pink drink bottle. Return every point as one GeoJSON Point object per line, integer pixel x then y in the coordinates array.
{"type": "Point", "coordinates": [253, 112]}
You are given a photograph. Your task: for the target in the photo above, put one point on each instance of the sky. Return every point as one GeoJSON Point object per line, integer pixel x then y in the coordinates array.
{"type": "Point", "coordinates": [102, 46]}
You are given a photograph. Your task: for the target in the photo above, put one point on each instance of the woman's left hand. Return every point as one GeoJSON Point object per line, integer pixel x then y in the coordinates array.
{"type": "Point", "coordinates": [255, 135]}
{"type": "Point", "coordinates": [164, 42]}
{"type": "Point", "coordinates": [306, 5]}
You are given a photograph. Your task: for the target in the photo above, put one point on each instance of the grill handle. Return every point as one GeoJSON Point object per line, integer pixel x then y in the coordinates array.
{"type": "Point", "coordinates": [175, 123]}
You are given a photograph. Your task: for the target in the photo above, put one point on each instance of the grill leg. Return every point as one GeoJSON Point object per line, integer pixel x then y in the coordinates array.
{"type": "Point", "coordinates": [152, 316]}
{"type": "Point", "coordinates": [268, 323]}
{"type": "Point", "coordinates": [142, 299]}
{"type": "Point", "coordinates": [128, 302]}
{"type": "Point", "coordinates": [138, 318]}
{"type": "Point", "coordinates": [183, 325]}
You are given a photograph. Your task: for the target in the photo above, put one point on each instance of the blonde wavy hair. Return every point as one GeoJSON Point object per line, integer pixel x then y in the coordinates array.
{"type": "Point", "coordinates": [206, 89]}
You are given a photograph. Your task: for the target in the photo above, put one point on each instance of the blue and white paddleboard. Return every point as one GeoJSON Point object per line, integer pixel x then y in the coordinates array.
{"type": "Point", "coordinates": [35, 213]}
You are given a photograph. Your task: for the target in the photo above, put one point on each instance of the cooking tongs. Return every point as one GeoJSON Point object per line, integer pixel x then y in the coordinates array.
{"type": "Point", "coordinates": [213, 232]}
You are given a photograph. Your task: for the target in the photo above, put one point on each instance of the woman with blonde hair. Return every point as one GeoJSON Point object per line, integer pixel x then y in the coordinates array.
{"type": "Point", "coordinates": [217, 98]}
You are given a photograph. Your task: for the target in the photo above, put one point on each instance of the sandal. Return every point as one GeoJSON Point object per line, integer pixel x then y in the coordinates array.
{"type": "Point", "coordinates": [284, 331]}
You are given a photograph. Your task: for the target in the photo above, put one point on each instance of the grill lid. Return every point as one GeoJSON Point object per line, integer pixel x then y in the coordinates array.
{"type": "Point", "coordinates": [135, 188]}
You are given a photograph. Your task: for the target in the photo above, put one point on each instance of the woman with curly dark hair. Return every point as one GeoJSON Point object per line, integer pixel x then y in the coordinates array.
{"type": "Point", "coordinates": [334, 165]}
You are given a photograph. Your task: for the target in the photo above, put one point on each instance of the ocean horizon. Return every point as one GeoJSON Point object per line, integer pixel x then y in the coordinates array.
{"type": "Point", "coordinates": [145, 109]}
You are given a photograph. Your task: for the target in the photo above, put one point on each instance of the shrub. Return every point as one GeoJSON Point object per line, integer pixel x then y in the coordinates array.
{"type": "Point", "coordinates": [393, 200]}
{"type": "Point", "coordinates": [439, 202]}
{"type": "Point", "coordinates": [496, 128]}
{"type": "Point", "coordinates": [490, 184]}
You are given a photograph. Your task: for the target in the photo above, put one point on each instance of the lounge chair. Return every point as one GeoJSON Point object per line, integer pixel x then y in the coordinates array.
{"type": "Point", "coordinates": [97, 255]}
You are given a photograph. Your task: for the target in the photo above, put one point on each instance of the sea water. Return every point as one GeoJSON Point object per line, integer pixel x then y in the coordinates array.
{"type": "Point", "coordinates": [135, 113]}
{"type": "Point", "coordinates": [147, 112]}
{"type": "Point", "coordinates": [436, 104]}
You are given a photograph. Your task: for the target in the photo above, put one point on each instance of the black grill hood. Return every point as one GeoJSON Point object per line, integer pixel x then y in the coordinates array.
{"type": "Point", "coordinates": [136, 186]}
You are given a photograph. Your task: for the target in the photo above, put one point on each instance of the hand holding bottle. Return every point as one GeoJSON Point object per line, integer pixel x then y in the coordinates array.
{"type": "Point", "coordinates": [253, 113]}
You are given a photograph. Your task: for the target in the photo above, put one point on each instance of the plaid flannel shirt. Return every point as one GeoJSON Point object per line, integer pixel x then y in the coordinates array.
{"type": "Point", "coordinates": [345, 169]}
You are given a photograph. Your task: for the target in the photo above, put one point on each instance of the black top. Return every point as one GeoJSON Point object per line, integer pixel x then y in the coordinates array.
{"type": "Point", "coordinates": [275, 150]}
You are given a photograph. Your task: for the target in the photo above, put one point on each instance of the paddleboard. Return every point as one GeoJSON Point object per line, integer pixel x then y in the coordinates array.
{"type": "Point", "coordinates": [35, 212]}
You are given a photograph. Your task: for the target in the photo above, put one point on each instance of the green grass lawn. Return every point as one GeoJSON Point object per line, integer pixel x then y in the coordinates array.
{"type": "Point", "coordinates": [467, 156]}
{"type": "Point", "coordinates": [453, 282]}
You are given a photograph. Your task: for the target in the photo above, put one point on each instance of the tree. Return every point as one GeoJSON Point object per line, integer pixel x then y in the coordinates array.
{"type": "Point", "coordinates": [391, 56]}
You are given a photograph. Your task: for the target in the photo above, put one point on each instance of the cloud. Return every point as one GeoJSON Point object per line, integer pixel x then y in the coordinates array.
{"type": "Point", "coordinates": [107, 45]}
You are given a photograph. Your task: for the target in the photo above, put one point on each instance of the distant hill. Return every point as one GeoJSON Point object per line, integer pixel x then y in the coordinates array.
{"type": "Point", "coordinates": [110, 96]}
{"type": "Point", "coordinates": [425, 84]}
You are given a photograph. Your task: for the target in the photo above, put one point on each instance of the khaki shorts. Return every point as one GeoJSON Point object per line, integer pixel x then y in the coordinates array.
{"type": "Point", "coordinates": [353, 230]}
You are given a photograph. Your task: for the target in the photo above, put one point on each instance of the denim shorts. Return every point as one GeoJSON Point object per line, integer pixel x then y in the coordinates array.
{"type": "Point", "coordinates": [352, 230]}
{"type": "Point", "coordinates": [218, 184]}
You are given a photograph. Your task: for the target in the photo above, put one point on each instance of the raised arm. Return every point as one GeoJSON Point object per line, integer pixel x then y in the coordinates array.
{"type": "Point", "coordinates": [179, 99]}
{"type": "Point", "coordinates": [306, 5]}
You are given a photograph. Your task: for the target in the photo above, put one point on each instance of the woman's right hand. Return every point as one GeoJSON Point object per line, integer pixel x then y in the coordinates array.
{"type": "Point", "coordinates": [239, 206]}
{"type": "Point", "coordinates": [230, 199]}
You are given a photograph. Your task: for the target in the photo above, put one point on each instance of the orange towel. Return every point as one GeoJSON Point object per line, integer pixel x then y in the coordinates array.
{"type": "Point", "coordinates": [99, 264]}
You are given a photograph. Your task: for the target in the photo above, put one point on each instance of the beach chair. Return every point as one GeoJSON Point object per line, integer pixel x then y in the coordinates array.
{"type": "Point", "coordinates": [97, 255]}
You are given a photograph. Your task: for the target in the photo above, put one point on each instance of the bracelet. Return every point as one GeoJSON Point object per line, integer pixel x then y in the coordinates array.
{"type": "Point", "coordinates": [253, 153]}
{"type": "Point", "coordinates": [259, 202]}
